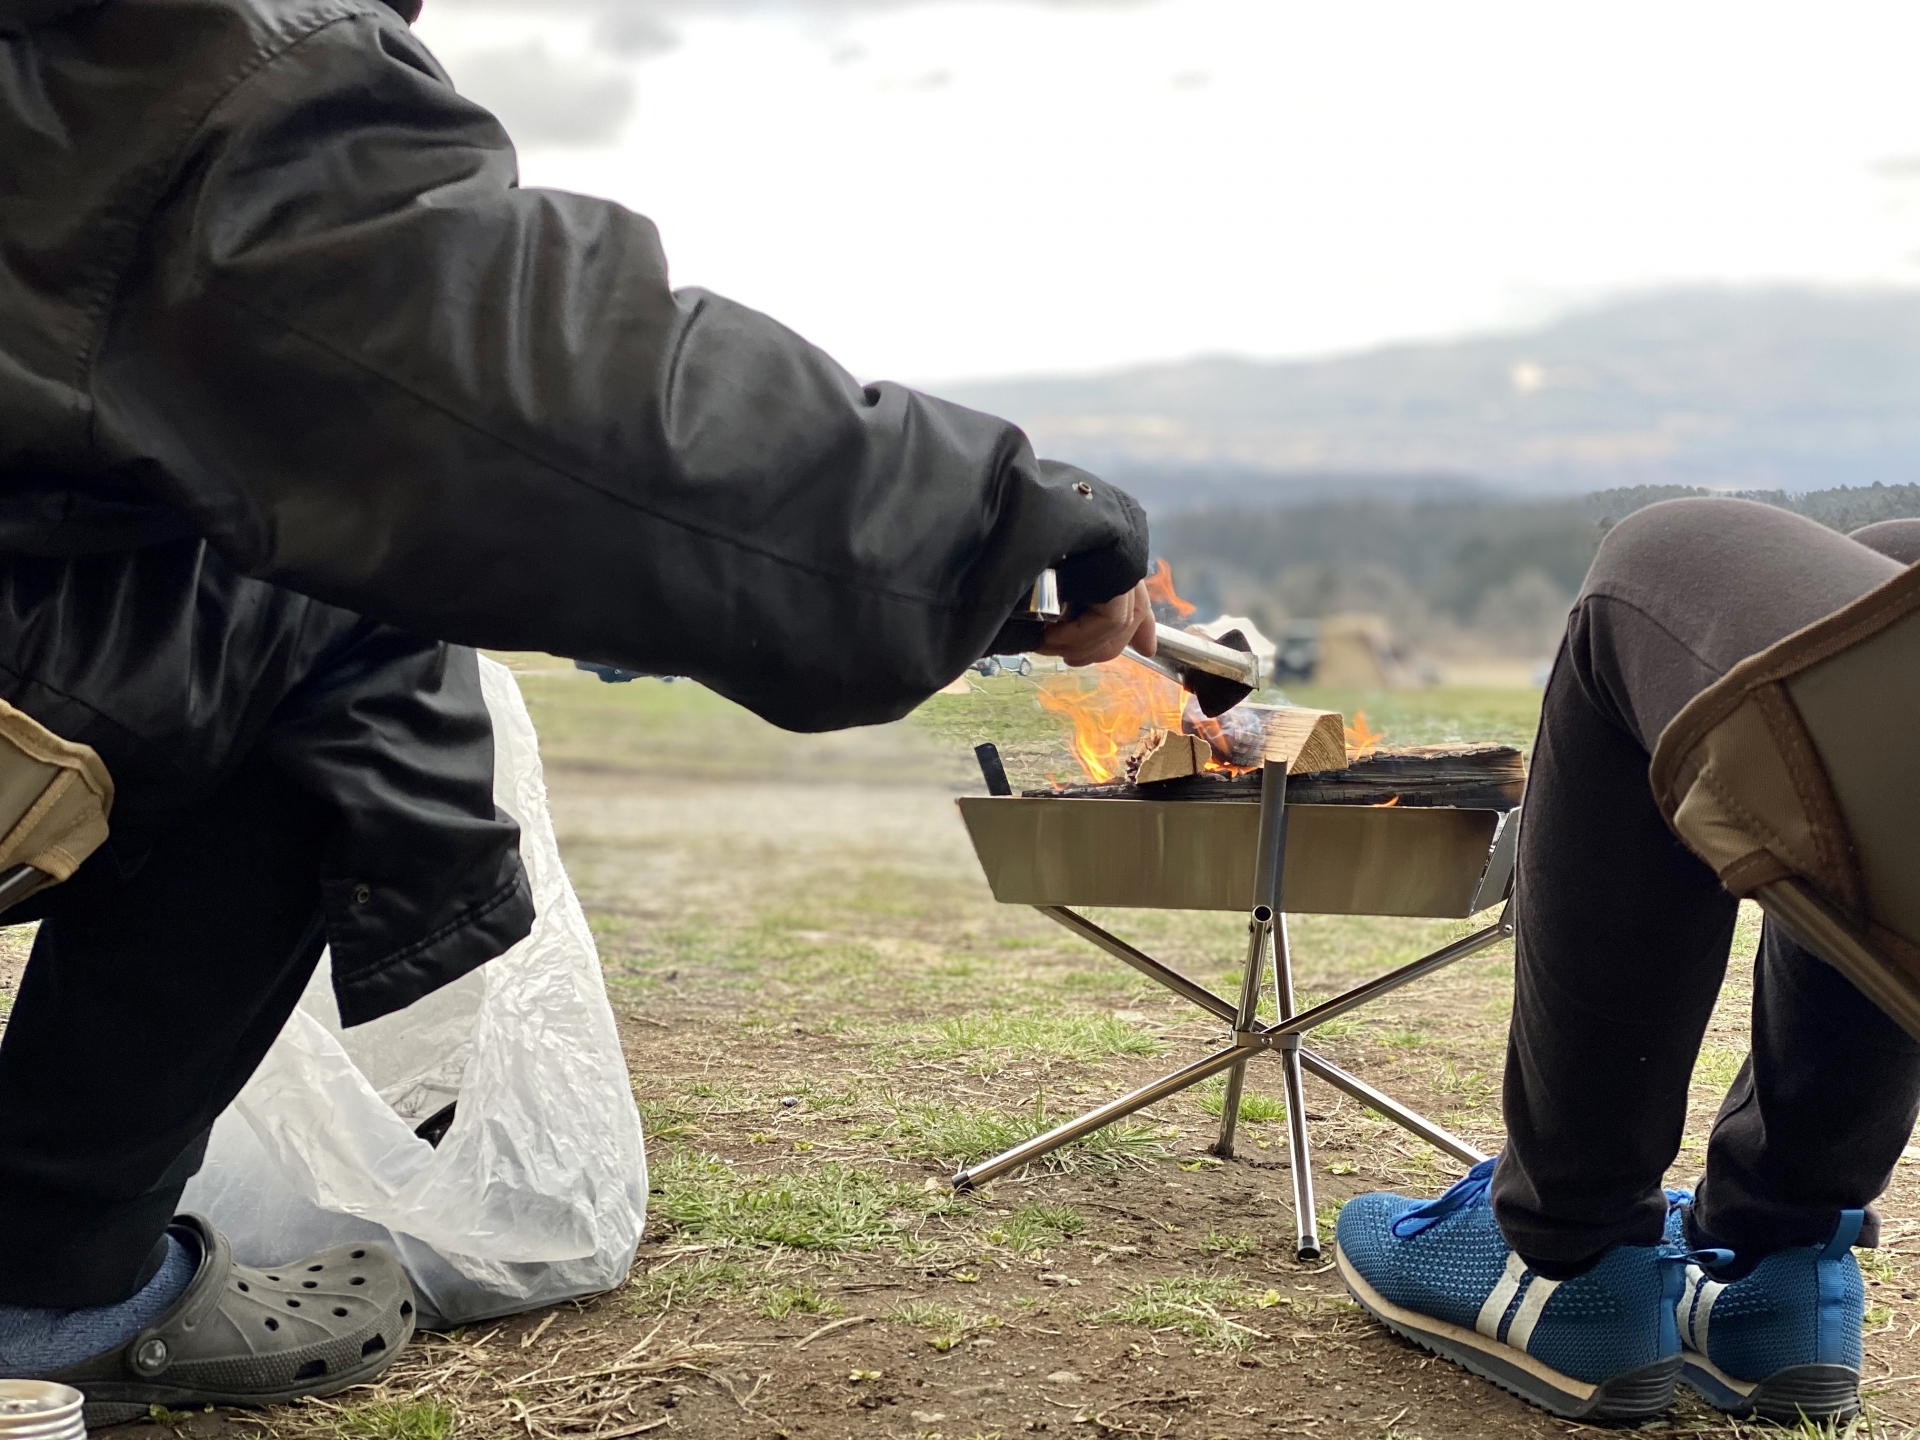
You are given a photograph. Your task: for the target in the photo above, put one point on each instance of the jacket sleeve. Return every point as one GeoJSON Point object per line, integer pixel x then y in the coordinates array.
{"type": "Point", "coordinates": [371, 368]}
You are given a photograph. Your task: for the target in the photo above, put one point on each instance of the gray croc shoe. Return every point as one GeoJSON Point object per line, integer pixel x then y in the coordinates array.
{"type": "Point", "coordinates": [241, 1336]}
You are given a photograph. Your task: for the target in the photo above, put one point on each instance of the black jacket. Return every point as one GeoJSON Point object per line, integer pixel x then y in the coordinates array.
{"type": "Point", "coordinates": [269, 280]}
{"type": "Point", "coordinates": [278, 326]}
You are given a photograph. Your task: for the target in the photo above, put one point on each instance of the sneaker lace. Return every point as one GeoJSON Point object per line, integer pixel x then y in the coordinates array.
{"type": "Point", "coordinates": [1469, 1190]}
{"type": "Point", "coordinates": [1708, 1260]}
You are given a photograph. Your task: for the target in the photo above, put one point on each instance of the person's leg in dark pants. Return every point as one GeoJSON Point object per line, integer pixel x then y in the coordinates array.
{"type": "Point", "coordinates": [1623, 935]}
{"type": "Point", "coordinates": [1896, 539]}
{"type": "Point", "coordinates": [149, 999]}
{"type": "Point", "coordinates": [287, 776]}
{"type": "Point", "coordinates": [1559, 1269]}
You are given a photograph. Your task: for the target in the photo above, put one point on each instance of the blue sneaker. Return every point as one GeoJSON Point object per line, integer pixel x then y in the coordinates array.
{"type": "Point", "coordinates": [1783, 1341]}
{"type": "Point", "coordinates": [1601, 1346]}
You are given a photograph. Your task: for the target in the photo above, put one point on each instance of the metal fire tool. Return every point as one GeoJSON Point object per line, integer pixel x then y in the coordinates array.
{"type": "Point", "coordinates": [1218, 673]}
{"type": "Point", "coordinates": [1043, 602]}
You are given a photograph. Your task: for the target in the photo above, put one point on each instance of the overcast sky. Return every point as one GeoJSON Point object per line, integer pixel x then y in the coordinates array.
{"type": "Point", "coordinates": [964, 189]}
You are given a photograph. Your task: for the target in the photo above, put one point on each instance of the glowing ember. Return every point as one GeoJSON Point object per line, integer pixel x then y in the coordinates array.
{"type": "Point", "coordinates": [1361, 740]}
{"type": "Point", "coordinates": [1160, 590]}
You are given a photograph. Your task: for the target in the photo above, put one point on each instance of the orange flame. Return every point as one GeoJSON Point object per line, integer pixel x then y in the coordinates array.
{"type": "Point", "coordinates": [1362, 740]}
{"type": "Point", "coordinates": [1113, 713]}
{"type": "Point", "coordinates": [1115, 706]}
{"type": "Point", "coordinates": [1160, 590]}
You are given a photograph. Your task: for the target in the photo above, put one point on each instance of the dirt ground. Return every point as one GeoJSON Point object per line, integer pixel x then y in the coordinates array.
{"type": "Point", "coordinates": [825, 1013]}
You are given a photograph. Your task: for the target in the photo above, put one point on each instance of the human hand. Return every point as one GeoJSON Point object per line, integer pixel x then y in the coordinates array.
{"type": "Point", "coordinates": [1100, 632]}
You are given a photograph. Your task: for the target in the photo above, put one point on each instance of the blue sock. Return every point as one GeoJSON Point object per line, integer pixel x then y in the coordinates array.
{"type": "Point", "coordinates": [35, 1343]}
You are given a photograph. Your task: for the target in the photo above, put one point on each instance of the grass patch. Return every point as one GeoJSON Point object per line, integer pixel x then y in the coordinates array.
{"type": "Point", "coordinates": [769, 947]}
{"type": "Point", "coordinates": [677, 1282]}
{"type": "Point", "coordinates": [686, 730]}
{"type": "Point", "coordinates": [1878, 1265]}
{"type": "Point", "coordinates": [660, 1120]}
{"type": "Point", "coordinates": [1254, 1109]}
{"type": "Point", "coordinates": [948, 1326]}
{"type": "Point", "coordinates": [779, 1301]}
{"type": "Point", "coordinates": [990, 1041]}
{"type": "Point", "coordinates": [1036, 1227]}
{"type": "Point", "coordinates": [1001, 709]}
{"type": "Point", "coordinates": [832, 1208]}
{"type": "Point", "coordinates": [1341, 1027]}
{"type": "Point", "coordinates": [1471, 1087]}
{"type": "Point", "coordinates": [1195, 1306]}
{"type": "Point", "coordinates": [395, 1420]}
{"type": "Point", "coordinates": [955, 1134]}
{"type": "Point", "coordinates": [707, 1278]}
{"type": "Point", "coordinates": [1234, 1247]}
{"type": "Point", "coordinates": [1717, 1065]}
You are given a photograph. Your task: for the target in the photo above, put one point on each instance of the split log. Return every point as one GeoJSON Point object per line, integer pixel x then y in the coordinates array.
{"type": "Point", "coordinates": [1312, 742]}
{"type": "Point", "coordinates": [1169, 755]}
{"type": "Point", "coordinates": [1247, 735]}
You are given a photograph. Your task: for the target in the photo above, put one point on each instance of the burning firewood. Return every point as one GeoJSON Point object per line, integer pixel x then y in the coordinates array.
{"type": "Point", "coordinates": [1116, 707]}
{"type": "Point", "coordinates": [1247, 735]}
{"type": "Point", "coordinates": [1169, 755]}
{"type": "Point", "coordinates": [1491, 777]}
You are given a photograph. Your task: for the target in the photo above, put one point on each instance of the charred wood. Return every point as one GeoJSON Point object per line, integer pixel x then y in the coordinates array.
{"type": "Point", "coordinates": [1471, 777]}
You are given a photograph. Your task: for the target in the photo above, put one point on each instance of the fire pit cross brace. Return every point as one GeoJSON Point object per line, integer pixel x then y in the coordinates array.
{"type": "Point", "coordinates": [1266, 940]}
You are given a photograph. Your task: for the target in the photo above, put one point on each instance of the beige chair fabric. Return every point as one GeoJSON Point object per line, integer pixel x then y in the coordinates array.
{"type": "Point", "coordinates": [55, 797]}
{"type": "Point", "coordinates": [1797, 778]}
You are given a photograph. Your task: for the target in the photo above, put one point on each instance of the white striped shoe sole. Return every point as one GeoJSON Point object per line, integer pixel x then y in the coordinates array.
{"type": "Point", "coordinates": [1635, 1395]}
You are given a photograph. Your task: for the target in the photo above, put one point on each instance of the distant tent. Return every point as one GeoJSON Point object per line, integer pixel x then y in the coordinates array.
{"type": "Point", "coordinates": [1357, 652]}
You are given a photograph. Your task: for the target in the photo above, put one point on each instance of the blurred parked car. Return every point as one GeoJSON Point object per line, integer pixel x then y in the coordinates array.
{"type": "Point", "coordinates": [991, 665]}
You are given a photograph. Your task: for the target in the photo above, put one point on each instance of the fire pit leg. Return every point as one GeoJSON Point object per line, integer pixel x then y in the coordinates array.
{"type": "Point", "coordinates": [1306, 1224]}
{"type": "Point", "coordinates": [1259, 930]}
{"type": "Point", "coordinates": [1269, 861]}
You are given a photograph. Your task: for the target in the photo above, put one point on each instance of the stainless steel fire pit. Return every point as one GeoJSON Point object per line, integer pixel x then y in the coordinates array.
{"type": "Point", "coordinates": [1267, 859]}
{"type": "Point", "coordinates": [1182, 855]}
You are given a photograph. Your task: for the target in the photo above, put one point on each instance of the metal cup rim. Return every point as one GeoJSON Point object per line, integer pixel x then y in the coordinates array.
{"type": "Point", "coordinates": [58, 1429]}
{"type": "Point", "coordinates": [60, 1395]}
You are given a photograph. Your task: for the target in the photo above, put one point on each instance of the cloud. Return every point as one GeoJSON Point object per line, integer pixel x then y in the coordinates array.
{"type": "Point", "coordinates": [635, 32]}
{"type": "Point", "coordinates": [544, 101]}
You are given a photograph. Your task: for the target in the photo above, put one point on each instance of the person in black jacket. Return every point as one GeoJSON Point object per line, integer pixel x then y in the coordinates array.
{"type": "Point", "coordinates": [300, 396]}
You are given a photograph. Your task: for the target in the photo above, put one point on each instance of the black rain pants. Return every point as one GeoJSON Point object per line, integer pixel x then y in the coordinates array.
{"type": "Point", "coordinates": [288, 775]}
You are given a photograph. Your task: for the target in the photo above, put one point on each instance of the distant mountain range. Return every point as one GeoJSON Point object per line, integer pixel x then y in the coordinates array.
{"type": "Point", "coordinates": [1740, 389]}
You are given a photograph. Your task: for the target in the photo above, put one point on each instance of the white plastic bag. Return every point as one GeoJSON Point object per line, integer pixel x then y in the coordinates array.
{"type": "Point", "coordinates": [537, 1192]}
